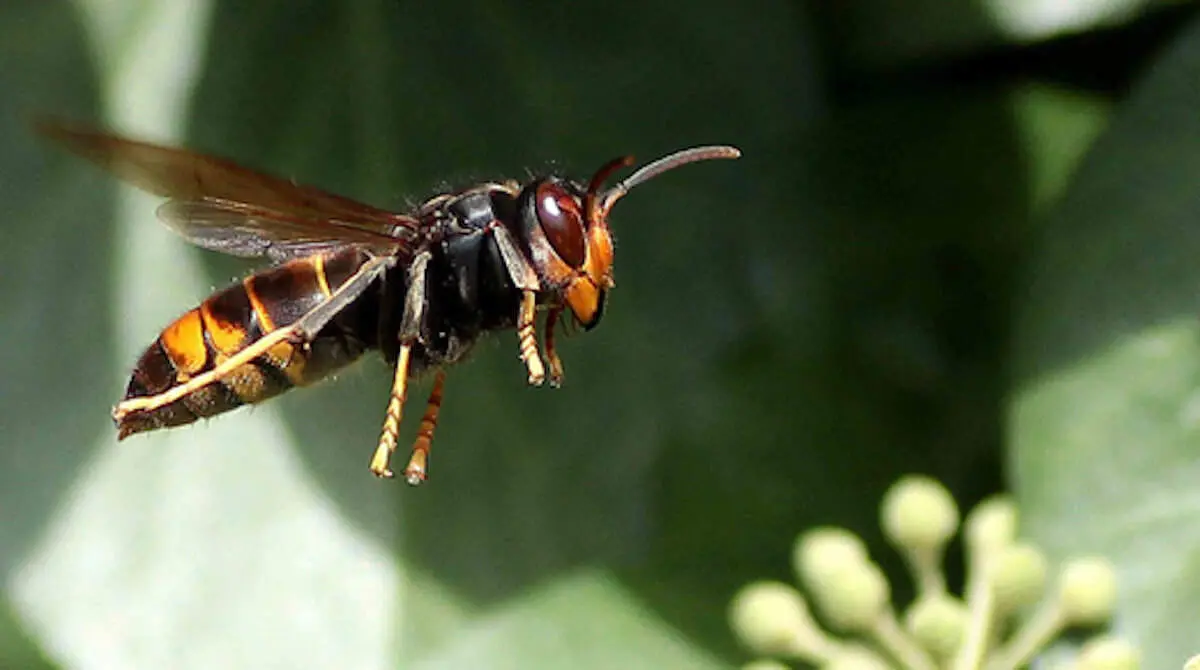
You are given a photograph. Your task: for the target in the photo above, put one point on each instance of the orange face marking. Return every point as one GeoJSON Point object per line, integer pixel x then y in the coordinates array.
{"type": "Point", "coordinates": [585, 291]}
{"type": "Point", "coordinates": [599, 261]}
{"type": "Point", "coordinates": [183, 342]}
{"type": "Point", "coordinates": [227, 337]}
{"type": "Point", "coordinates": [583, 297]}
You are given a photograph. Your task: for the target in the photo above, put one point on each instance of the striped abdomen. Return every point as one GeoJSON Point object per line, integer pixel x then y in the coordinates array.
{"type": "Point", "coordinates": [235, 317]}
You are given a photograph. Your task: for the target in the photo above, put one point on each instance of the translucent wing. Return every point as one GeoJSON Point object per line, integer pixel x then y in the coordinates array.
{"type": "Point", "coordinates": [240, 229]}
{"type": "Point", "coordinates": [220, 205]}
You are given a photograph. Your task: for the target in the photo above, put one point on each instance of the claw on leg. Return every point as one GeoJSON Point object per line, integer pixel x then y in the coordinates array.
{"type": "Point", "coordinates": [527, 340]}
{"type": "Point", "coordinates": [418, 463]}
{"type": "Point", "coordinates": [381, 460]}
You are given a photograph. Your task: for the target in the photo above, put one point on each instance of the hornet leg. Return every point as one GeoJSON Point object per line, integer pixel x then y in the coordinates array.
{"type": "Point", "coordinates": [418, 462]}
{"type": "Point", "coordinates": [410, 331]}
{"type": "Point", "coordinates": [552, 359]}
{"type": "Point", "coordinates": [525, 278]}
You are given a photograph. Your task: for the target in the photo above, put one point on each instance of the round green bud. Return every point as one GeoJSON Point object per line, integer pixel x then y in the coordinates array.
{"type": "Point", "coordinates": [1108, 653]}
{"type": "Point", "coordinates": [765, 664]}
{"type": "Point", "coordinates": [855, 657]}
{"type": "Point", "coordinates": [937, 622]}
{"type": "Point", "coordinates": [918, 513]}
{"type": "Point", "coordinates": [1087, 591]}
{"type": "Point", "coordinates": [821, 550]}
{"type": "Point", "coordinates": [770, 618]}
{"type": "Point", "coordinates": [991, 525]}
{"type": "Point", "coordinates": [1018, 577]}
{"type": "Point", "coordinates": [853, 596]}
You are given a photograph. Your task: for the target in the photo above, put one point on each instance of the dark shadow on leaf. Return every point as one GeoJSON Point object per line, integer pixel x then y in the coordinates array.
{"type": "Point", "coordinates": [1120, 253]}
{"type": "Point", "coordinates": [882, 354]}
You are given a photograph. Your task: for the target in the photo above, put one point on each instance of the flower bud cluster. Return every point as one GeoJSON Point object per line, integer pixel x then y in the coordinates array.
{"type": "Point", "coordinates": [1014, 606]}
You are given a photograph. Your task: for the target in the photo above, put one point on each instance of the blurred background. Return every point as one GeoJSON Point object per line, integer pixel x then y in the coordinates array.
{"type": "Point", "coordinates": [962, 241]}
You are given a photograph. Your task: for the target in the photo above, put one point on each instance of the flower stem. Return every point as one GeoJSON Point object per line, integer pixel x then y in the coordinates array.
{"type": "Point", "coordinates": [980, 607]}
{"type": "Point", "coordinates": [925, 566]}
{"type": "Point", "coordinates": [892, 638]}
{"type": "Point", "coordinates": [1032, 637]}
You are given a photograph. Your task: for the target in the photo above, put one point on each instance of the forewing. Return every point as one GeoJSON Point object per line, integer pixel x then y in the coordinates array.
{"type": "Point", "coordinates": [239, 229]}
{"type": "Point", "coordinates": [223, 206]}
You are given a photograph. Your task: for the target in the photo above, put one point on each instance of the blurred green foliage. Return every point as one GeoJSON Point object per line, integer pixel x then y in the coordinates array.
{"type": "Point", "coordinates": [914, 268]}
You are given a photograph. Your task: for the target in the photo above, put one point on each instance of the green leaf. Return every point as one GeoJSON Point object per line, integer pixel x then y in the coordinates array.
{"type": "Point", "coordinates": [577, 616]}
{"type": "Point", "coordinates": [788, 334]}
{"type": "Point", "coordinates": [1058, 126]}
{"type": "Point", "coordinates": [1105, 423]}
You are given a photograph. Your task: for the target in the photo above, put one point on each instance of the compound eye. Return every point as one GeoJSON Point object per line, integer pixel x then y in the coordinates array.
{"type": "Point", "coordinates": [562, 222]}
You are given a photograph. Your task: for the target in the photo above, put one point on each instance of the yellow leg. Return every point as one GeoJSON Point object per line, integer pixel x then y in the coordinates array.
{"type": "Point", "coordinates": [527, 340]}
{"type": "Point", "coordinates": [418, 463]}
{"type": "Point", "coordinates": [381, 461]}
{"type": "Point", "coordinates": [301, 333]}
{"type": "Point", "coordinates": [153, 402]}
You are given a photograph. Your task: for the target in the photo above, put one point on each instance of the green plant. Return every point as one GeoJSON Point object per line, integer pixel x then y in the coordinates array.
{"type": "Point", "coordinates": [962, 241]}
{"type": "Point", "coordinates": [1008, 613]}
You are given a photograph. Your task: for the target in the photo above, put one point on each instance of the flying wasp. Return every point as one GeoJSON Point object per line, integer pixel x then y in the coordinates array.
{"type": "Point", "coordinates": [419, 286]}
